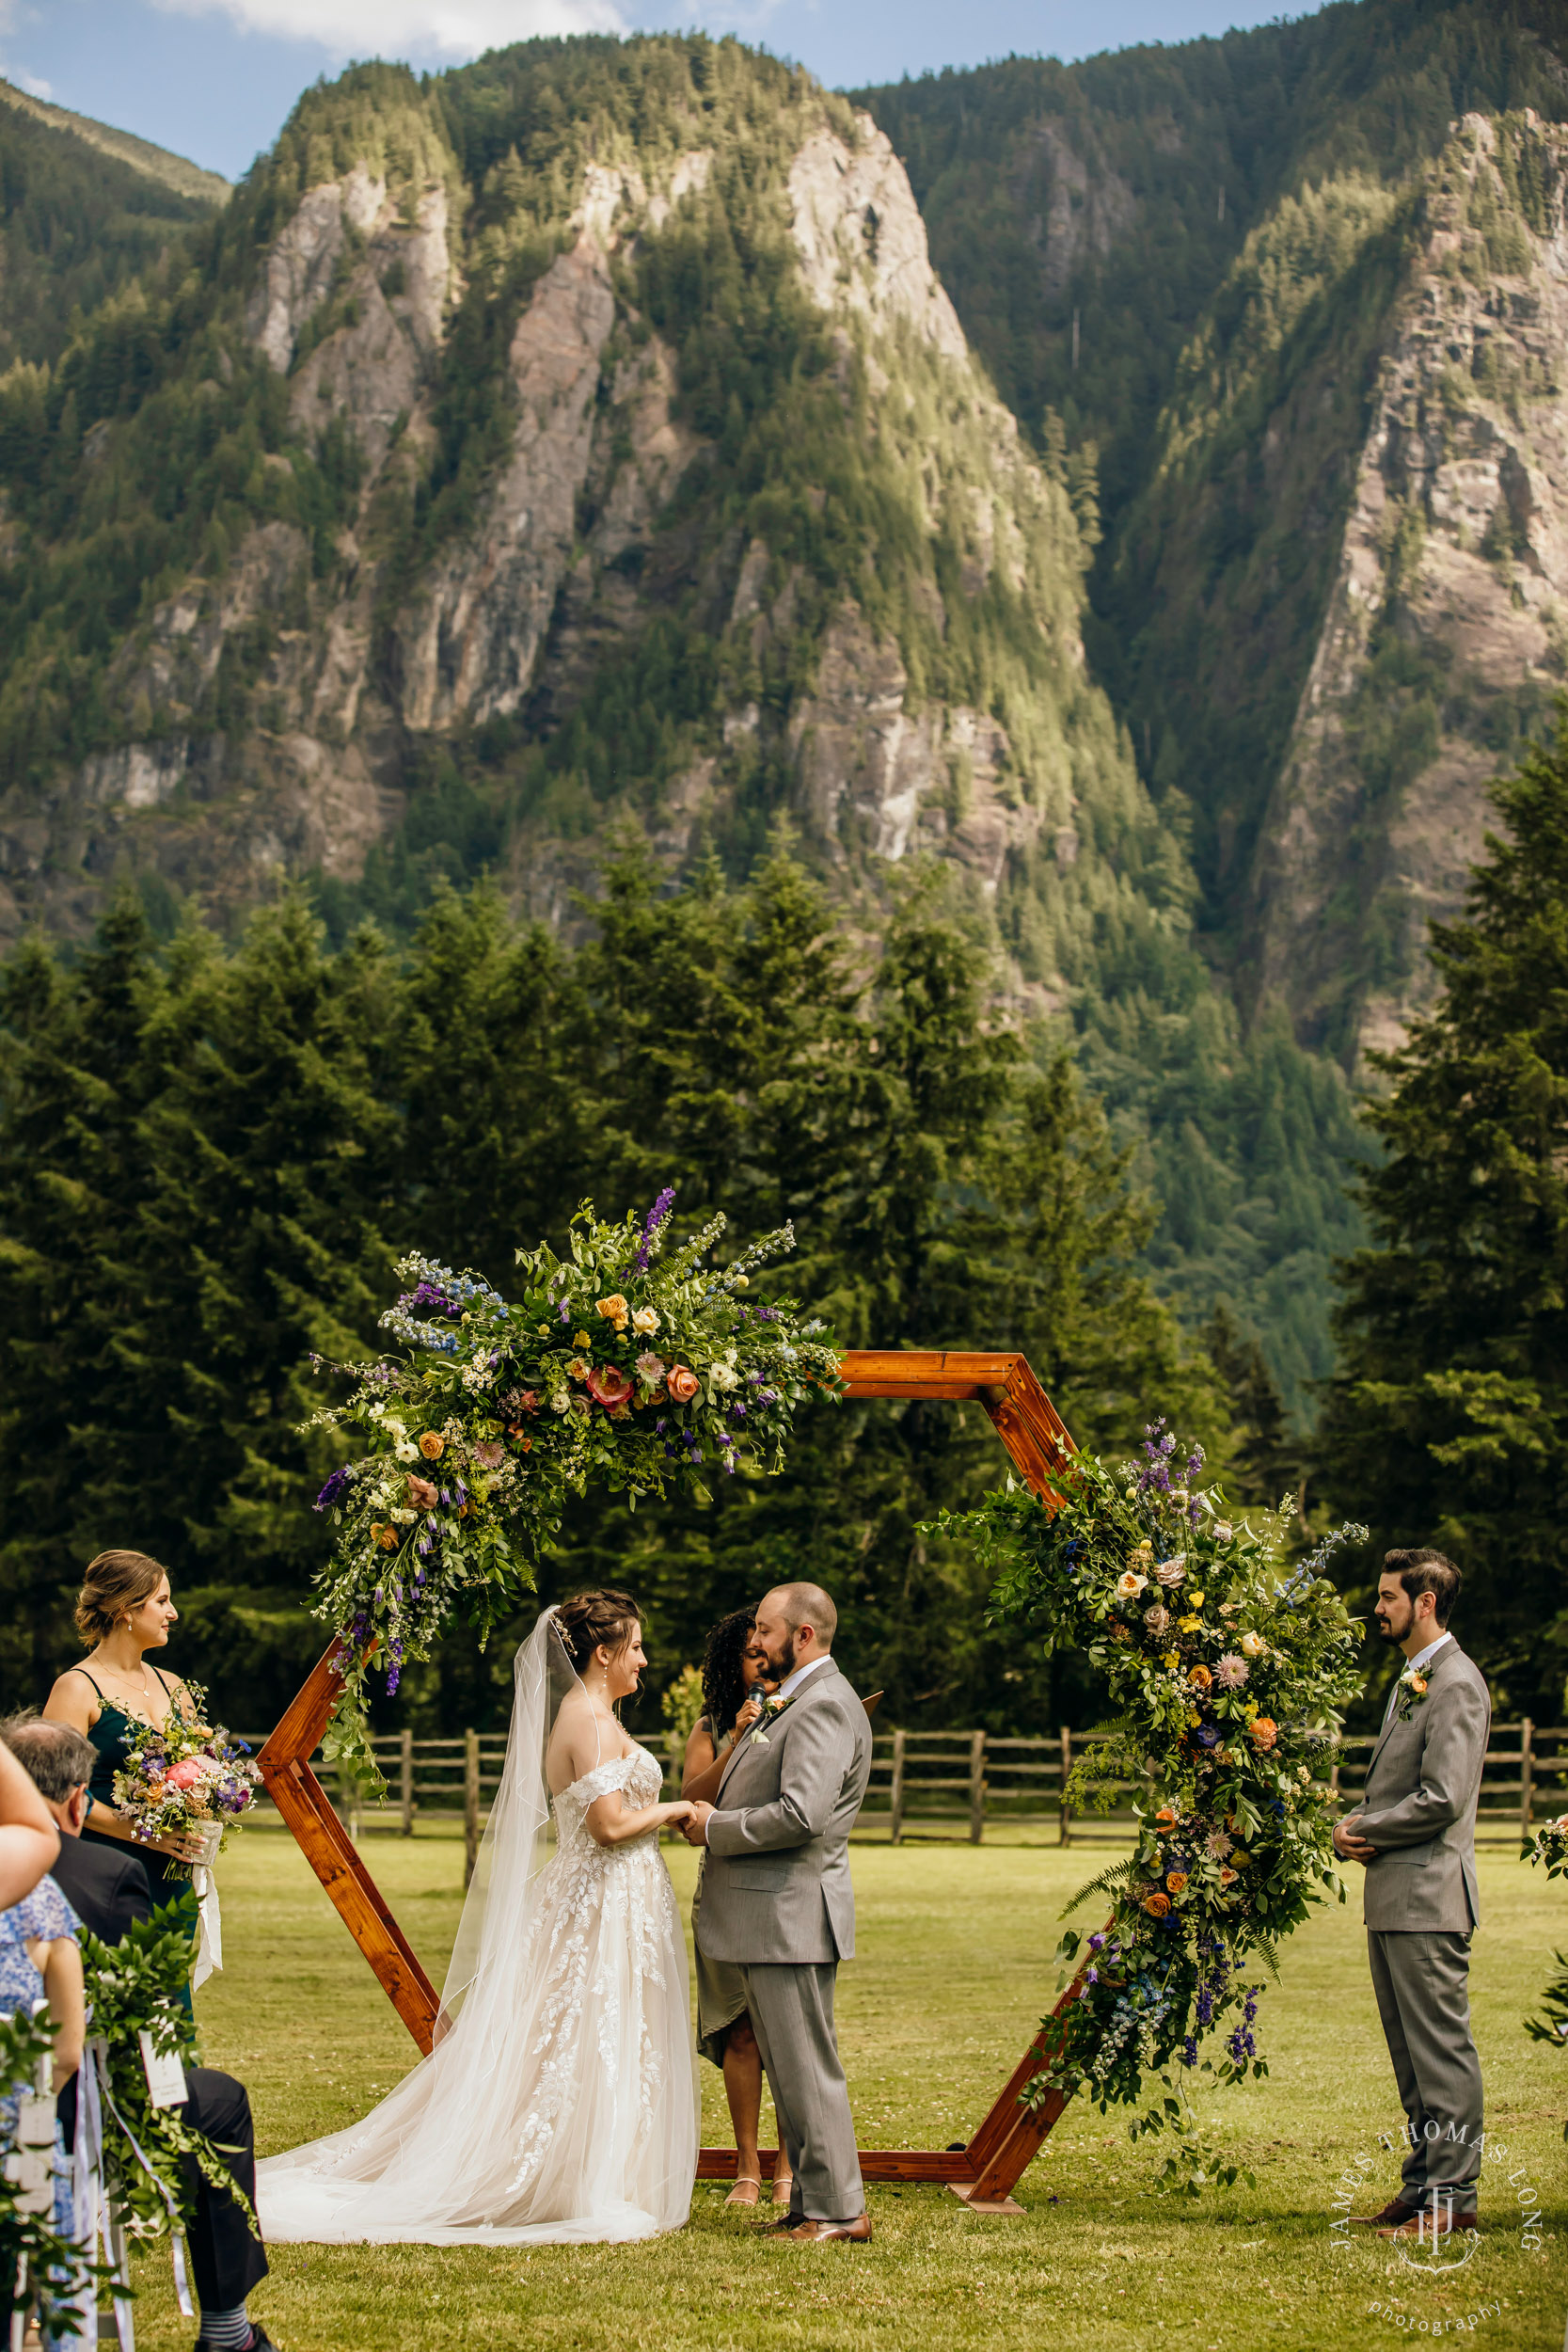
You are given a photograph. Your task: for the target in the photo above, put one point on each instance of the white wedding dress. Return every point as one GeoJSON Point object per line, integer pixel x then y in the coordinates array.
{"type": "Point", "coordinates": [561, 2106]}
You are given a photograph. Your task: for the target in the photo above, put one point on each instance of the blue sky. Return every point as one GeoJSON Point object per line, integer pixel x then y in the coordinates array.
{"type": "Point", "coordinates": [215, 79]}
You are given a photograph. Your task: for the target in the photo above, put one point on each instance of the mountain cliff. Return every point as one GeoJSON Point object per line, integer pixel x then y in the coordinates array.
{"type": "Point", "coordinates": [581, 438]}
{"type": "Point", "coordinates": [1307, 323]}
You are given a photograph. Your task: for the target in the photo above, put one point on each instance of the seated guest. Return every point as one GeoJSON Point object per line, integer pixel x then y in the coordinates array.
{"type": "Point", "coordinates": [108, 1889]}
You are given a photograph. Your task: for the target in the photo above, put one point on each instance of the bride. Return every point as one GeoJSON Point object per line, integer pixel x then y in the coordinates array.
{"type": "Point", "coordinates": [558, 2104]}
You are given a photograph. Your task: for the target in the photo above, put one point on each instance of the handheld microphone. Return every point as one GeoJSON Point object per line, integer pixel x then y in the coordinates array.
{"type": "Point", "coordinates": [757, 1691]}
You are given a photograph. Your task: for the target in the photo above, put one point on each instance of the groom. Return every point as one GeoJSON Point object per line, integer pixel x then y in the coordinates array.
{"type": "Point", "coordinates": [777, 1900]}
{"type": "Point", "coordinates": [1415, 1833]}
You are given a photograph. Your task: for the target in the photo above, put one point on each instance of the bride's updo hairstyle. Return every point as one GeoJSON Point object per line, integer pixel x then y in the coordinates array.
{"type": "Point", "coordinates": [116, 1581]}
{"type": "Point", "coordinates": [591, 1621]}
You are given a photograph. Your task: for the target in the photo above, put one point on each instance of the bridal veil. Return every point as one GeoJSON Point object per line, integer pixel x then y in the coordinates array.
{"type": "Point", "coordinates": [559, 2102]}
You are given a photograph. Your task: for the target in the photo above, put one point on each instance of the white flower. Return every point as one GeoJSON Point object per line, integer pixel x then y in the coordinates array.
{"type": "Point", "coordinates": [1171, 1571]}
{"type": "Point", "coordinates": [1130, 1584]}
{"type": "Point", "coordinates": [1252, 1645]}
{"type": "Point", "coordinates": [479, 1374]}
{"type": "Point", "coordinates": [560, 1402]}
{"type": "Point", "coordinates": [406, 1452]}
{"type": "Point", "coordinates": [723, 1376]}
{"type": "Point", "coordinates": [645, 1320]}
{"type": "Point", "coordinates": [1223, 1531]}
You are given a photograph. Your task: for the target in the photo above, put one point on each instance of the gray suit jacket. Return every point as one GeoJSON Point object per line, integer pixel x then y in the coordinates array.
{"type": "Point", "coordinates": [1419, 1807]}
{"type": "Point", "coordinates": [776, 1882]}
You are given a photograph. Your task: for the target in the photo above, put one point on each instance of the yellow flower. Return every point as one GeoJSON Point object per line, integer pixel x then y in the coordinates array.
{"type": "Point", "coordinates": [1172, 1658]}
{"type": "Point", "coordinates": [577, 1368]}
{"type": "Point", "coordinates": [1189, 1625]}
{"type": "Point", "coordinates": [582, 1339]}
{"type": "Point", "coordinates": [614, 1310]}
{"type": "Point", "coordinates": [1195, 1600]}
{"type": "Point", "coordinates": [1193, 1718]}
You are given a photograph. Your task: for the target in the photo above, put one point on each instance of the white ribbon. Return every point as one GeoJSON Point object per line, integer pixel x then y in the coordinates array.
{"type": "Point", "coordinates": [114, 2238]}
{"type": "Point", "coordinates": [208, 1948]}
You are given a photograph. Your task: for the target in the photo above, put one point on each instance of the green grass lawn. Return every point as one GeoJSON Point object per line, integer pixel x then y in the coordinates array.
{"type": "Point", "coordinates": [952, 1974]}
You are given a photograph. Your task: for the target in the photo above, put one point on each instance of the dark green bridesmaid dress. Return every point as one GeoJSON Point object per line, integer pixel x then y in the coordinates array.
{"type": "Point", "coordinates": [169, 1880]}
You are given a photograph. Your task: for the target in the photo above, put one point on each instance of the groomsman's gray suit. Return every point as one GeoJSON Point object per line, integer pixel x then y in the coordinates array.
{"type": "Point", "coordinates": [777, 1900]}
{"type": "Point", "coordinates": [1422, 1906]}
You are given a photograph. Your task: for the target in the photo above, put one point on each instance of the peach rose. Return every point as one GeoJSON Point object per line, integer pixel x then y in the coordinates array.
{"type": "Point", "coordinates": [683, 1384]}
{"type": "Point", "coordinates": [432, 1446]}
{"type": "Point", "coordinates": [1157, 1905]}
{"type": "Point", "coordinates": [1265, 1732]}
{"type": "Point", "coordinates": [1168, 1817]}
{"type": "Point", "coordinates": [421, 1494]}
{"type": "Point", "coordinates": [1176, 1881]}
{"type": "Point", "coordinates": [388, 1539]}
{"type": "Point", "coordinates": [614, 1310]}
{"type": "Point", "coordinates": [1200, 1677]}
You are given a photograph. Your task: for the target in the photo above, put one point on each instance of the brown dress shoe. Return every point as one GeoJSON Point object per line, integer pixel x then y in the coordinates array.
{"type": "Point", "coordinates": [1393, 2213]}
{"type": "Point", "coordinates": [856, 2232]}
{"type": "Point", "coordinates": [1420, 2225]}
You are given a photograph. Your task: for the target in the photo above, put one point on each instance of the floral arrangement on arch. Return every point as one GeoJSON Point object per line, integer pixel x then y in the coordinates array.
{"type": "Point", "coordinates": [1550, 1846]}
{"type": "Point", "coordinates": [627, 1364]}
{"type": "Point", "coordinates": [1227, 1672]}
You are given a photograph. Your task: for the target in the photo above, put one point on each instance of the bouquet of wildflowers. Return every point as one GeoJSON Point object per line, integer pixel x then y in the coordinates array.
{"type": "Point", "coordinates": [183, 1777]}
{"type": "Point", "coordinates": [629, 1363]}
{"type": "Point", "coordinates": [1227, 1673]}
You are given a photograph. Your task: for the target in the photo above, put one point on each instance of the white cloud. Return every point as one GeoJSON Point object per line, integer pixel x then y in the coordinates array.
{"type": "Point", "coordinates": [34, 84]}
{"type": "Point", "coordinates": [393, 28]}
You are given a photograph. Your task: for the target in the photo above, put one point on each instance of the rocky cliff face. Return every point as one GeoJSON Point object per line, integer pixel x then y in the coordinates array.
{"type": "Point", "coordinates": [922, 695]}
{"type": "Point", "coordinates": [1445, 631]}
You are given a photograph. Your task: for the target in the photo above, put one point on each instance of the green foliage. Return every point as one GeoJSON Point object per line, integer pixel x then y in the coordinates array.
{"type": "Point", "coordinates": [207, 1161]}
{"type": "Point", "coordinates": [55, 2271]}
{"type": "Point", "coordinates": [1445, 1423]}
{"type": "Point", "coordinates": [150, 2153]}
{"type": "Point", "coordinates": [1228, 1677]}
{"type": "Point", "coordinates": [75, 225]}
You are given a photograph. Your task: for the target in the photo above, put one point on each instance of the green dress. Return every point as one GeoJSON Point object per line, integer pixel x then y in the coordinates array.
{"type": "Point", "coordinates": [169, 1880]}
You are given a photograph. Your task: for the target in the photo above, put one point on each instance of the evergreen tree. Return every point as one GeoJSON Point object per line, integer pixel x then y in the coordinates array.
{"type": "Point", "coordinates": [1264, 1462]}
{"type": "Point", "coordinates": [1448, 1422]}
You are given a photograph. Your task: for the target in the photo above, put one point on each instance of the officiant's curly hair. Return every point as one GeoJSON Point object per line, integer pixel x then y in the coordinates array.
{"type": "Point", "coordinates": [724, 1677]}
{"type": "Point", "coordinates": [590, 1621]}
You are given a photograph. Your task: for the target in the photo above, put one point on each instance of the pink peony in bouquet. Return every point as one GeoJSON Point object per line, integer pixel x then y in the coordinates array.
{"type": "Point", "coordinates": [184, 1779]}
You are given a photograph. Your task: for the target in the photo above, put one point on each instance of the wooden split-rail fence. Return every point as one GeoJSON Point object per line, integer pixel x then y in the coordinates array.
{"type": "Point", "coordinates": [928, 1784]}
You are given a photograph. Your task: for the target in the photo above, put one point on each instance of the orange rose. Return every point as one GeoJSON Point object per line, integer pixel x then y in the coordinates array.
{"type": "Point", "coordinates": [1265, 1732]}
{"type": "Point", "coordinates": [1168, 1817]}
{"type": "Point", "coordinates": [683, 1385]}
{"type": "Point", "coordinates": [1176, 1881]}
{"type": "Point", "coordinates": [1157, 1905]}
{"type": "Point", "coordinates": [1200, 1677]}
{"type": "Point", "coordinates": [388, 1538]}
{"type": "Point", "coordinates": [421, 1494]}
{"type": "Point", "coordinates": [432, 1446]}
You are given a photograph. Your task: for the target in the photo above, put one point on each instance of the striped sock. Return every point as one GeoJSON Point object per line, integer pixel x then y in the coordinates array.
{"type": "Point", "coordinates": [226, 2332]}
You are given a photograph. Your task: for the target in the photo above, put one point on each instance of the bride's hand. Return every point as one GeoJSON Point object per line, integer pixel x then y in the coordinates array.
{"type": "Point", "coordinates": [678, 1812]}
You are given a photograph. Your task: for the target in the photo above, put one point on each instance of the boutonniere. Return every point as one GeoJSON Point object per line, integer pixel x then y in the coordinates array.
{"type": "Point", "coordinates": [772, 1710]}
{"type": "Point", "coordinates": [1412, 1691]}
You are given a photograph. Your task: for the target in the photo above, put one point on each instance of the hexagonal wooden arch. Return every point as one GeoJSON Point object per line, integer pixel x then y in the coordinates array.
{"type": "Point", "coordinates": [985, 2171]}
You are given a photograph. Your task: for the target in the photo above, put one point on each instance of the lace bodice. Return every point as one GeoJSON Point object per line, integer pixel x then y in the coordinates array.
{"type": "Point", "coordinates": [639, 1776]}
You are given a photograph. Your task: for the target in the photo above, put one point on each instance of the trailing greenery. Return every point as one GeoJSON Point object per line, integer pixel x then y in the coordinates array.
{"type": "Point", "coordinates": [1447, 1415]}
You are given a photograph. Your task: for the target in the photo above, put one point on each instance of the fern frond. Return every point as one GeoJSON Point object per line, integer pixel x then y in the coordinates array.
{"type": "Point", "coordinates": [1120, 1874]}
{"type": "Point", "coordinates": [1270, 1958]}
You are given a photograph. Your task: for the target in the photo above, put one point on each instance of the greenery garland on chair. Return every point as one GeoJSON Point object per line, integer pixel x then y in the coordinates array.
{"type": "Point", "coordinates": [619, 1365]}
{"type": "Point", "coordinates": [1226, 1673]}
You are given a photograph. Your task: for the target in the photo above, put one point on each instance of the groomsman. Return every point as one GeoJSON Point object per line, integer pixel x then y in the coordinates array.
{"type": "Point", "coordinates": [1415, 1833]}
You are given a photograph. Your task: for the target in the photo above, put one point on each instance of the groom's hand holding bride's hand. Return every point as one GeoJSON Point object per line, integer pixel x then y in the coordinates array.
{"type": "Point", "coordinates": [694, 1828]}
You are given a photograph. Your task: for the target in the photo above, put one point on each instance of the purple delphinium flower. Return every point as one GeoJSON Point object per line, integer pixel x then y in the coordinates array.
{"type": "Point", "coordinates": [658, 1216]}
{"type": "Point", "coordinates": [337, 1485]}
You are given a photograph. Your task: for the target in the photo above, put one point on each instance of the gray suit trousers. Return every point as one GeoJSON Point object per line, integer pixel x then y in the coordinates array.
{"type": "Point", "coordinates": [1422, 1983]}
{"type": "Point", "coordinates": [791, 2005]}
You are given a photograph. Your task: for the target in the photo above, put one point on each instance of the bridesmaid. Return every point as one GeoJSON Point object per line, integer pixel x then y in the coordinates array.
{"type": "Point", "coordinates": [734, 1663]}
{"type": "Point", "coordinates": [125, 1611]}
